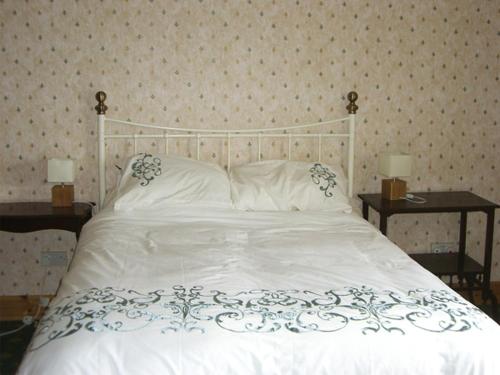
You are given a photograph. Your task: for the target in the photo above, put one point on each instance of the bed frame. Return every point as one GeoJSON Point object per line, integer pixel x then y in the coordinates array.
{"type": "Point", "coordinates": [167, 133]}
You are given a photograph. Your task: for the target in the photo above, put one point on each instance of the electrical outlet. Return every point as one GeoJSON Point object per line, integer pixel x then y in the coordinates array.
{"type": "Point", "coordinates": [443, 247]}
{"type": "Point", "coordinates": [54, 258]}
{"type": "Point", "coordinates": [44, 301]}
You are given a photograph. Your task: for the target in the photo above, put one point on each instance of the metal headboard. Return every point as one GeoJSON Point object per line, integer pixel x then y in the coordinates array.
{"type": "Point", "coordinates": [227, 134]}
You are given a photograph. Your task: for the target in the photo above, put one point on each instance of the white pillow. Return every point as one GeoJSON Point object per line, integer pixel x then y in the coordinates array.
{"type": "Point", "coordinates": [288, 185]}
{"type": "Point", "coordinates": [151, 180]}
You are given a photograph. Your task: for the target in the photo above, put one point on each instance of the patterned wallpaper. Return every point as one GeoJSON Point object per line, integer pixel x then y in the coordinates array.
{"type": "Point", "coordinates": [426, 73]}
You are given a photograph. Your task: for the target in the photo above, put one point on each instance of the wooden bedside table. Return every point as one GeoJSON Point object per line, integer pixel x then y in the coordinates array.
{"type": "Point", "coordinates": [454, 264]}
{"type": "Point", "coordinates": [22, 217]}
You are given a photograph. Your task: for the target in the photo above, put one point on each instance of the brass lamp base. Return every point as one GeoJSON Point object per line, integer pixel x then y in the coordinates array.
{"type": "Point", "coordinates": [63, 195]}
{"type": "Point", "coordinates": [393, 189]}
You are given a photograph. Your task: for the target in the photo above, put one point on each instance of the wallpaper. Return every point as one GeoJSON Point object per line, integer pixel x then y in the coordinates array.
{"type": "Point", "coordinates": [426, 73]}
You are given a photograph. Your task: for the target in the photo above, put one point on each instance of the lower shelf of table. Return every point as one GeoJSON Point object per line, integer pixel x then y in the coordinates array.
{"type": "Point", "coordinates": [447, 264]}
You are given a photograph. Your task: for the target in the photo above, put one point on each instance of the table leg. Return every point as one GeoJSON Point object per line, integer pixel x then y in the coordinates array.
{"type": "Point", "coordinates": [383, 224]}
{"type": "Point", "coordinates": [488, 249]}
{"type": "Point", "coordinates": [365, 210]}
{"type": "Point", "coordinates": [470, 286]}
{"type": "Point", "coordinates": [494, 306]}
{"type": "Point", "coordinates": [461, 244]}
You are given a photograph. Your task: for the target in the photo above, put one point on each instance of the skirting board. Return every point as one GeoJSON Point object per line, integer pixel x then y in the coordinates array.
{"type": "Point", "coordinates": [15, 307]}
{"type": "Point", "coordinates": [495, 288]}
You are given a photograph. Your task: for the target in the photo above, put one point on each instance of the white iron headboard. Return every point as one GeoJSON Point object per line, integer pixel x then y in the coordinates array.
{"type": "Point", "coordinates": [168, 133]}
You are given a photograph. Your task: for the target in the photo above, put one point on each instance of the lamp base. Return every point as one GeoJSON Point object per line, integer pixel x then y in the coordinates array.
{"type": "Point", "coordinates": [393, 189]}
{"type": "Point", "coordinates": [63, 195]}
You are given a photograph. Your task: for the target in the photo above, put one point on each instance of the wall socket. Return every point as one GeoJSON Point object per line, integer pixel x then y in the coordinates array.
{"type": "Point", "coordinates": [54, 258]}
{"type": "Point", "coordinates": [44, 301]}
{"type": "Point", "coordinates": [443, 247]}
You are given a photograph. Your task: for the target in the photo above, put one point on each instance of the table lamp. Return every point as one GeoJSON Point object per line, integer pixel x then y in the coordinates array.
{"type": "Point", "coordinates": [394, 165]}
{"type": "Point", "coordinates": [61, 171]}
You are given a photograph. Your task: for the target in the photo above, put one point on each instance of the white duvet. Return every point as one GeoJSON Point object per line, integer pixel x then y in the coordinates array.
{"type": "Point", "coordinates": [189, 291]}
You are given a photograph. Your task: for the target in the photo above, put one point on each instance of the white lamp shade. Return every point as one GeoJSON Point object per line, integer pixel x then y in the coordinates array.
{"type": "Point", "coordinates": [60, 170]}
{"type": "Point", "coordinates": [394, 164]}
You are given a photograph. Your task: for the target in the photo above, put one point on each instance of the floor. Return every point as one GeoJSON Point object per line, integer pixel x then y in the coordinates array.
{"type": "Point", "coordinates": [12, 347]}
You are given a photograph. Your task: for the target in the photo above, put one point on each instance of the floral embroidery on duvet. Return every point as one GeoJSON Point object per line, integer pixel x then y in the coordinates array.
{"type": "Point", "coordinates": [256, 311]}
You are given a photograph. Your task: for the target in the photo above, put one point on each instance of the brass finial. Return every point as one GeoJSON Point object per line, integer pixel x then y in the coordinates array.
{"type": "Point", "coordinates": [352, 97]}
{"type": "Point", "coordinates": [101, 108]}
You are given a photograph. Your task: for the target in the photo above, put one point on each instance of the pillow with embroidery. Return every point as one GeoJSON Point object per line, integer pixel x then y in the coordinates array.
{"type": "Point", "coordinates": [288, 185]}
{"type": "Point", "coordinates": [153, 180]}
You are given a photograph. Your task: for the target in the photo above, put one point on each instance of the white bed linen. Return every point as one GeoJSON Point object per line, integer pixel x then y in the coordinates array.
{"type": "Point", "coordinates": [244, 254]}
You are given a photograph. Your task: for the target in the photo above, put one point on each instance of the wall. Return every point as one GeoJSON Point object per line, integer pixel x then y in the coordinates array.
{"type": "Point", "coordinates": [426, 72]}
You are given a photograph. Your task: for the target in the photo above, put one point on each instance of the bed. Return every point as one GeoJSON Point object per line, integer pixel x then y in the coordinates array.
{"type": "Point", "coordinates": [183, 289]}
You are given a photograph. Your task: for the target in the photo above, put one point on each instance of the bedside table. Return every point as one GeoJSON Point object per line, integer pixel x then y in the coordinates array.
{"type": "Point", "coordinates": [454, 264]}
{"type": "Point", "coordinates": [22, 217]}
